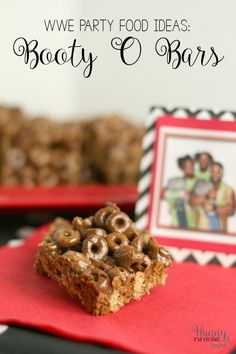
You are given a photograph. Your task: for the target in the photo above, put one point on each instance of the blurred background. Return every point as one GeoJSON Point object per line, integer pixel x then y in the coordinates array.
{"type": "Point", "coordinates": [62, 92]}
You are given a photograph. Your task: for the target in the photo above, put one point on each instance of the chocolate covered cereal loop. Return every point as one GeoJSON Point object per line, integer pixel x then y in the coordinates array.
{"type": "Point", "coordinates": [118, 272]}
{"type": "Point", "coordinates": [164, 256]}
{"type": "Point", "coordinates": [110, 261]}
{"type": "Point", "coordinates": [117, 276]}
{"type": "Point", "coordinates": [152, 249]}
{"type": "Point", "coordinates": [138, 242]}
{"type": "Point", "coordinates": [115, 240]}
{"type": "Point", "coordinates": [131, 233]}
{"type": "Point", "coordinates": [66, 237]}
{"type": "Point", "coordinates": [78, 261]}
{"type": "Point", "coordinates": [118, 222]}
{"type": "Point", "coordinates": [131, 259]}
{"type": "Point", "coordinates": [80, 224]}
{"type": "Point", "coordinates": [93, 232]}
{"type": "Point", "coordinates": [95, 248]}
{"type": "Point", "coordinates": [58, 223]}
{"type": "Point", "coordinates": [102, 214]}
{"type": "Point", "coordinates": [51, 248]}
{"type": "Point", "coordinates": [101, 265]}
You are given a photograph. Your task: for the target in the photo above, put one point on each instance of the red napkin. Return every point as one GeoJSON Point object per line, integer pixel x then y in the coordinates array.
{"type": "Point", "coordinates": [161, 322]}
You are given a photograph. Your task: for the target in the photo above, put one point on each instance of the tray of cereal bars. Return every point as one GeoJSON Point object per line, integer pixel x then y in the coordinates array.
{"type": "Point", "coordinates": [45, 163]}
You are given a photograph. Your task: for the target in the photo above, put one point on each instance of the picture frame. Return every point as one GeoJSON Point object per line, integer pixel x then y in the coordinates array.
{"type": "Point", "coordinates": [195, 217]}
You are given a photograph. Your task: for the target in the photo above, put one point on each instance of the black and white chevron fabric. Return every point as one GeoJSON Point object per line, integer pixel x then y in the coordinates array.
{"type": "Point", "coordinates": [19, 340]}
{"type": "Point", "coordinates": [142, 203]}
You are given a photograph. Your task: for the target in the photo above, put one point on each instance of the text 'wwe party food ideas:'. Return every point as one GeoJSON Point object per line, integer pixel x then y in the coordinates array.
{"type": "Point", "coordinates": [117, 177]}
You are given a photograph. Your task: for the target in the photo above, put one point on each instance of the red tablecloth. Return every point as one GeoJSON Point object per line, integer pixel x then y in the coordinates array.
{"type": "Point", "coordinates": [162, 322]}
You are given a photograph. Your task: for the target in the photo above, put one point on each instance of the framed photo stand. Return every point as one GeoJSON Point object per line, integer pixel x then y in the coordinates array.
{"type": "Point", "coordinates": [187, 187]}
